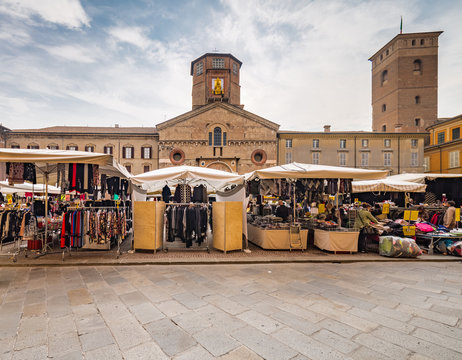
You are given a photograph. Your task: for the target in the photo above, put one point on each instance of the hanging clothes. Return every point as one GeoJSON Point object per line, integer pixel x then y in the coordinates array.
{"type": "Point", "coordinates": [199, 194]}
{"type": "Point", "coordinates": [166, 193]}
{"type": "Point", "coordinates": [76, 177]}
{"type": "Point", "coordinates": [15, 172]}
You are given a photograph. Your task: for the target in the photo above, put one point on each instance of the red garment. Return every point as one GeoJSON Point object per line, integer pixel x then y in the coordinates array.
{"type": "Point", "coordinates": [74, 175]}
{"type": "Point", "coordinates": [63, 232]}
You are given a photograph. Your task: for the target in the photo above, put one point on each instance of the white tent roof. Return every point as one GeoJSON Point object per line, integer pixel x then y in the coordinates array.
{"type": "Point", "coordinates": [156, 179]}
{"type": "Point", "coordinates": [299, 171]}
{"type": "Point", "coordinates": [387, 185]}
{"type": "Point", "coordinates": [421, 177]}
{"type": "Point", "coordinates": [54, 156]}
{"type": "Point", "coordinates": [5, 188]}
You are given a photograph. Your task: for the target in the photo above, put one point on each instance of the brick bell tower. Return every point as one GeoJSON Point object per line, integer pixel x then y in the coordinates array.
{"type": "Point", "coordinates": [216, 78]}
{"type": "Point", "coordinates": [405, 83]}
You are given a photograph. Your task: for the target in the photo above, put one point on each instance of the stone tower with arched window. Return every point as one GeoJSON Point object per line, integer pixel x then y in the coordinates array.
{"type": "Point", "coordinates": [405, 83]}
{"type": "Point", "coordinates": [216, 78]}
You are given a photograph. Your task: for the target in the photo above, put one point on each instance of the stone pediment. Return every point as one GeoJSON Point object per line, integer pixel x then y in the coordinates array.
{"type": "Point", "coordinates": [217, 105]}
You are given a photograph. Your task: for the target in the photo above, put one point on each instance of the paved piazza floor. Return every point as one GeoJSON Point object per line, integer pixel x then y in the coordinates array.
{"type": "Point", "coordinates": [402, 310]}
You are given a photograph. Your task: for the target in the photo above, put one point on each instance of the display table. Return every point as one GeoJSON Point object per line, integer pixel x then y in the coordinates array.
{"type": "Point", "coordinates": [432, 240]}
{"type": "Point", "coordinates": [336, 240]}
{"type": "Point", "coordinates": [273, 239]}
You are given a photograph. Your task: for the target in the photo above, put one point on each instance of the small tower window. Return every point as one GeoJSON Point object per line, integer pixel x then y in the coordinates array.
{"type": "Point", "coordinates": [199, 68]}
{"type": "Point", "coordinates": [417, 122]}
{"type": "Point", "coordinates": [417, 99]}
{"type": "Point", "coordinates": [413, 42]}
{"type": "Point", "coordinates": [234, 68]}
{"type": "Point", "coordinates": [384, 107]}
{"type": "Point", "coordinates": [384, 77]}
{"type": "Point", "coordinates": [384, 128]}
{"type": "Point", "coordinates": [422, 41]}
{"type": "Point", "coordinates": [218, 63]}
{"type": "Point", "coordinates": [387, 52]}
{"type": "Point", "coordinates": [417, 66]}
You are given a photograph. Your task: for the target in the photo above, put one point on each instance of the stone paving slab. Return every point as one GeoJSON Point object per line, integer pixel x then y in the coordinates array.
{"type": "Point", "coordinates": [397, 310]}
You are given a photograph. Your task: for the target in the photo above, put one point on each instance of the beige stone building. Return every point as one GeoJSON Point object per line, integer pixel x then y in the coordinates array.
{"type": "Point", "coordinates": [133, 147]}
{"type": "Point", "coordinates": [396, 152]}
{"type": "Point", "coordinates": [405, 83]}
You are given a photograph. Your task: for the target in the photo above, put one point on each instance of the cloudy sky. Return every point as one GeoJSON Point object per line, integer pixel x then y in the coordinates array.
{"type": "Point", "coordinates": [305, 63]}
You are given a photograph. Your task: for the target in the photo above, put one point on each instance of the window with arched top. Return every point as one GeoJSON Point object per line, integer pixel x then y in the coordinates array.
{"type": "Point", "coordinates": [384, 77]}
{"type": "Point", "coordinates": [217, 136]}
{"type": "Point", "coordinates": [417, 66]}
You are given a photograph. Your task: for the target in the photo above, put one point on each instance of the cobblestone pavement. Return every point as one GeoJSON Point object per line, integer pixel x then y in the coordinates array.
{"type": "Point", "coordinates": [270, 311]}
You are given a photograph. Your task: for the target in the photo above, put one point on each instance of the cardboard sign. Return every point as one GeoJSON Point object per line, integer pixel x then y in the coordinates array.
{"type": "Point", "coordinates": [409, 230]}
{"type": "Point", "coordinates": [414, 215]}
{"type": "Point", "coordinates": [314, 211]}
{"type": "Point", "coordinates": [321, 208]}
{"type": "Point", "coordinates": [457, 214]}
{"type": "Point", "coordinates": [386, 209]}
{"type": "Point", "coordinates": [9, 199]}
{"type": "Point", "coordinates": [68, 197]}
{"type": "Point", "coordinates": [356, 200]}
{"type": "Point", "coordinates": [407, 215]}
{"type": "Point", "coordinates": [63, 197]}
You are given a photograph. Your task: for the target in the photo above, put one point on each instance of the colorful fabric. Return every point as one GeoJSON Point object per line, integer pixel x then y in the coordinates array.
{"type": "Point", "coordinates": [393, 246]}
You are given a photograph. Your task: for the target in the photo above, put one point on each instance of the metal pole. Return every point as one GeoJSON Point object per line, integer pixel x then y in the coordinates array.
{"type": "Point", "coordinates": [46, 208]}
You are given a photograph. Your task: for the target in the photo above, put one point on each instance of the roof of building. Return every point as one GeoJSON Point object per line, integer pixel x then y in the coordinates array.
{"type": "Point", "coordinates": [214, 55]}
{"type": "Point", "coordinates": [346, 132]}
{"type": "Point", "coordinates": [232, 108]}
{"type": "Point", "coordinates": [90, 129]}
{"type": "Point", "coordinates": [444, 121]}
{"type": "Point", "coordinates": [407, 35]}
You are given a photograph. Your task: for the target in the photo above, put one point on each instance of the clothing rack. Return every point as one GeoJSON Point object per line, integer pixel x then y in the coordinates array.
{"type": "Point", "coordinates": [206, 240]}
{"type": "Point", "coordinates": [74, 208]}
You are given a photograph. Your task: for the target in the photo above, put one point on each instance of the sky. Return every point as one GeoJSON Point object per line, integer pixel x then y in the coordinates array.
{"type": "Point", "coordinates": [127, 62]}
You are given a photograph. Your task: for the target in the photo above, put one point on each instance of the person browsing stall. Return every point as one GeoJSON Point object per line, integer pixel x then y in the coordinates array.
{"type": "Point", "coordinates": [449, 219]}
{"type": "Point", "coordinates": [362, 222]}
{"type": "Point", "coordinates": [282, 211]}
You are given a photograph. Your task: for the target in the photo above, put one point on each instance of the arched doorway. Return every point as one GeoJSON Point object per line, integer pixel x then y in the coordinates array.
{"type": "Point", "coordinates": [218, 165]}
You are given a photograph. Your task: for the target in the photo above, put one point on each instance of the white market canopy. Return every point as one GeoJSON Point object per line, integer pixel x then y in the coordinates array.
{"type": "Point", "coordinates": [5, 188]}
{"type": "Point", "coordinates": [310, 171]}
{"type": "Point", "coordinates": [193, 175]}
{"type": "Point", "coordinates": [387, 185]}
{"type": "Point", "coordinates": [42, 158]}
{"type": "Point", "coordinates": [54, 156]}
{"type": "Point", "coordinates": [421, 177]}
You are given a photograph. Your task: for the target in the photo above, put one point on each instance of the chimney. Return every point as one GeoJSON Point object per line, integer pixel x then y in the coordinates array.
{"type": "Point", "coordinates": [116, 125]}
{"type": "Point", "coordinates": [326, 128]}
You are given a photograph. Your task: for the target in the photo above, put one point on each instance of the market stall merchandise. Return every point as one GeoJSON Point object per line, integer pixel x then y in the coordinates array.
{"type": "Point", "coordinates": [78, 173]}
{"type": "Point", "coordinates": [187, 211]}
{"type": "Point", "coordinates": [313, 192]}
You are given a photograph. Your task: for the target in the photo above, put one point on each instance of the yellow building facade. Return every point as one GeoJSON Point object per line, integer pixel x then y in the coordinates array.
{"type": "Point", "coordinates": [442, 154]}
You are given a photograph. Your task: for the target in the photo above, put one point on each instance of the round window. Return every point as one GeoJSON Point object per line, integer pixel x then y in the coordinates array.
{"type": "Point", "coordinates": [177, 157]}
{"type": "Point", "coordinates": [258, 157]}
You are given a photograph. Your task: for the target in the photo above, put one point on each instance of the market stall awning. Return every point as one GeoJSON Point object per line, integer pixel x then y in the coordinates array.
{"type": "Point", "coordinates": [5, 188]}
{"type": "Point", "coordinates": [194, 175]}
{"type": "Point", "coordinates": [421, 177]}
{"type": "Point", "coordinates": [300, 171]}
{"type": "Point", "coordinates": [387, 185]}
{"type": "Point", "coordinates": [54, 156]}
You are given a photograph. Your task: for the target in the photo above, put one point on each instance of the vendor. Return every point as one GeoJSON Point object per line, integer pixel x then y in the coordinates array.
{"type": "Point", "coordinates": [282, 211]}
{"type": "Point", "coordinates": [423, 214]}
{"type": "Point", "coordinates": [449, 219]}
{"type": "Point", "coordinates": [362, 222]}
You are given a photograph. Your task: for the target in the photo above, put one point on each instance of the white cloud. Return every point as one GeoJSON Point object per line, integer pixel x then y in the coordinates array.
{"type": "Point", "coordinates": [73, 53]}
{"type": "Point", "coordinates": [131, 35]}
{"type": "Point", "coordinates": [69, 13]}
